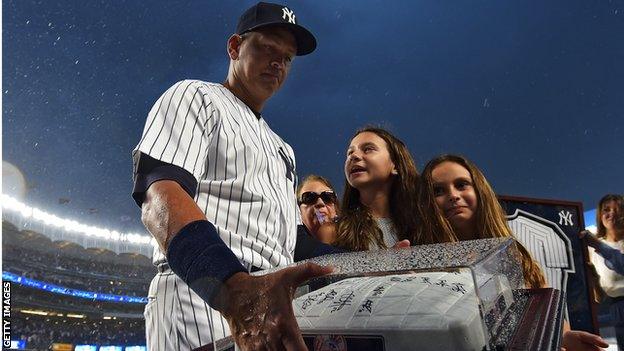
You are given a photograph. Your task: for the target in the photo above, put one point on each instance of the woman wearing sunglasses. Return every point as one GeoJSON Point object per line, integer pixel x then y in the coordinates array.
{"type": "Point", "coordinates": [379, 204]}
{"type": "Point", "coordinates": [319, 207]}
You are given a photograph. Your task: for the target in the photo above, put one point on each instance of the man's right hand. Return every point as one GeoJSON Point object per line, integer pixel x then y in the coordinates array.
{"type": "Point", "coordinates": [259, 309]}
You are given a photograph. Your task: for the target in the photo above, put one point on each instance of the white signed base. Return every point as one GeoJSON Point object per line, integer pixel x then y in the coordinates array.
{"type": "Point", "coordinates": [424, 311]}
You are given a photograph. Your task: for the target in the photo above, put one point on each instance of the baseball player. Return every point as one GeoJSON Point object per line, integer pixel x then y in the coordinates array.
{"type": "Point", "coordinates": [216, 190]}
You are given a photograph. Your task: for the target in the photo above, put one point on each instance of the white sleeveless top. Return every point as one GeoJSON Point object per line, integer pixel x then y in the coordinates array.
{"type": "Point", "coordinates": [390, 236]}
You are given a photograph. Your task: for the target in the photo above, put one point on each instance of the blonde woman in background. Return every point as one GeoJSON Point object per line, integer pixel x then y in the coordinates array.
{"type": "Point", "coordinates": [319, 207]}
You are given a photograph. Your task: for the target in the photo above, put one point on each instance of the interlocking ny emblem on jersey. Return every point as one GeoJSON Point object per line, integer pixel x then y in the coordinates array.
{"type": "Point", "coordinates": [290, 14]}
{"type": "Point", "coordinates": [290, 167]}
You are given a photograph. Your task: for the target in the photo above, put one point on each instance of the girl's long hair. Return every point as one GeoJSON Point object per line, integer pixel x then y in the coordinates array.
{"type": "Point", "coordinates": [357, 229]}
{"type": "Point", "coordinates": [490, 217]}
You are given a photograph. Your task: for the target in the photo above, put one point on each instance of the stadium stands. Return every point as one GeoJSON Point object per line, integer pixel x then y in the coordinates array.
{"type": "Point", "coordinates": [41, 317]}
{"type": "Point", "coordinates": [62, 263]}
{"type": "Point", "coordinates": [77, 273]}
{"type": "Point", "coordinates": [40, 332]}
{"type": "Point", "coordinates": [25, 298]}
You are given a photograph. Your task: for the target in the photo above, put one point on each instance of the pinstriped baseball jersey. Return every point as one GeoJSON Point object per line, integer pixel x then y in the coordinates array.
{"type": "Point", "coordinates": [245, 172]}
{"type": "Point", "coordinates": [245, 186]}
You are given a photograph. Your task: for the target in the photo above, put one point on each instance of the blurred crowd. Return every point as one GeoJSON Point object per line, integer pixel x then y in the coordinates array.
{"type": "Point", "coordinates": [109, 278]}
{"type": "Point", "coordinates": [24, 297]}
{"type": "Point", "coordinates": [40, 332]}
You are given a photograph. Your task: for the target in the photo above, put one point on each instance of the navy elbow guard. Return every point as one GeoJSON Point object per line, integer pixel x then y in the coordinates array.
{"type": "Point", "coordinates": [203, 261]}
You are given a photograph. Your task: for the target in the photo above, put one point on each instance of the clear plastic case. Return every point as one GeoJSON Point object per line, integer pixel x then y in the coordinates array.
{"type": "Point", "coordinates": [455, 296]}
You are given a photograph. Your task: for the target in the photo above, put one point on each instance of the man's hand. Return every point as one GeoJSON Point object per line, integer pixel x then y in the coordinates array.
{"type": "Point", "coordinates": [577, 340]}
{"type": "Point", "coordinates": [259, 309]}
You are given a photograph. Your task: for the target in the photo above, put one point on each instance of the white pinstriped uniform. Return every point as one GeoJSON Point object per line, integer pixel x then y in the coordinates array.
{"type": "Point", "coordinates": [549, 247]}
{"type": "Point", "coordinates": [245, 175]}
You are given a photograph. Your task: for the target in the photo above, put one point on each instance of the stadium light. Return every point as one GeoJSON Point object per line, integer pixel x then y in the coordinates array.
{"type": "Point", "coordinates": [71, 315]}
{"type": "Point", "coordinates": [30, 213]}
{"type": "Point", "coordinates": [40, 313]}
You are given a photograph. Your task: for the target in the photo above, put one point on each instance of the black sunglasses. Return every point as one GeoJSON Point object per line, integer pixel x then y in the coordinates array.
{"type": "Point", "coordinates": [310, 197]}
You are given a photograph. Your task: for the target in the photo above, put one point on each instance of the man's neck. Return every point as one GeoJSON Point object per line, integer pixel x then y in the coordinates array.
{"type": "Point", "coordinates": [243, 94]}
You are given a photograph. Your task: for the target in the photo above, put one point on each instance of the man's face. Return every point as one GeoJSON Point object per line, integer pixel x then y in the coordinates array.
{"type": "Point", "coordinates": [263, 60]}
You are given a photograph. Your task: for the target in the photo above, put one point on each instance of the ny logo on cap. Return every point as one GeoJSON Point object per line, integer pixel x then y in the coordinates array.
{"type": "Point", "coordinates": [290, 14]}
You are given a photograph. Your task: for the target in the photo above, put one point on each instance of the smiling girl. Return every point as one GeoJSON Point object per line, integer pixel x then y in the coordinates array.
{"type": "Point", "coordinates": [458, 203]}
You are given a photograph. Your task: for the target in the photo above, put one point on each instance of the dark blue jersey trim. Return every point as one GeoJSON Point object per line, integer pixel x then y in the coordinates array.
{"type": "Point", "coordinates": [151, 170]}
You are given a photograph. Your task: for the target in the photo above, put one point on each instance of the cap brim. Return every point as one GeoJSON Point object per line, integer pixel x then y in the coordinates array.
{"type": "Point", "coordinates": [306, 42]}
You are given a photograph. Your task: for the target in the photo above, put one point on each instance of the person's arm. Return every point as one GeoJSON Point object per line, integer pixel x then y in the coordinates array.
{"type": "Point", "coordinates": [614, 258]}
{"type": "Point", "coordinates": [193, 247]}
{"type": "Point", "coordinates": [258, 309]}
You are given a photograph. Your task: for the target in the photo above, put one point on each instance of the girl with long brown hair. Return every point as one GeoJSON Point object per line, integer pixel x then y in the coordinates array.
{"type": "Point", "coordinates": [457, 203]}
{"type": "Point", "coordinates": [378, 206]}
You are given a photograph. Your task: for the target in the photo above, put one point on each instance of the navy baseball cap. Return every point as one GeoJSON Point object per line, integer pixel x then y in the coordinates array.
{"type": "Point", "coordinates": [266, 14]}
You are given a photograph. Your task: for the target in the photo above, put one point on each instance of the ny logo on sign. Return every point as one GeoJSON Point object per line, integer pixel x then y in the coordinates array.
{"type": "Point", "coordinates": [565, 218]}
{"type": "Point", "coordinates": [290, 14]}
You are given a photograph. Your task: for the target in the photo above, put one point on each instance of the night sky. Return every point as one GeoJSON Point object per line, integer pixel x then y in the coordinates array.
{"type": "Point", "coordinates": [532, 91]}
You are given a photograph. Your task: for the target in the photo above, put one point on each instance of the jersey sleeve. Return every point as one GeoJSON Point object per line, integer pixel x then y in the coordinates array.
{"type": "Point", "coordinates": [614, 259]}
{"type": "Point", "coordinates": [177, 132]}
{"type": "Point", "coordinates": [150, 170]}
